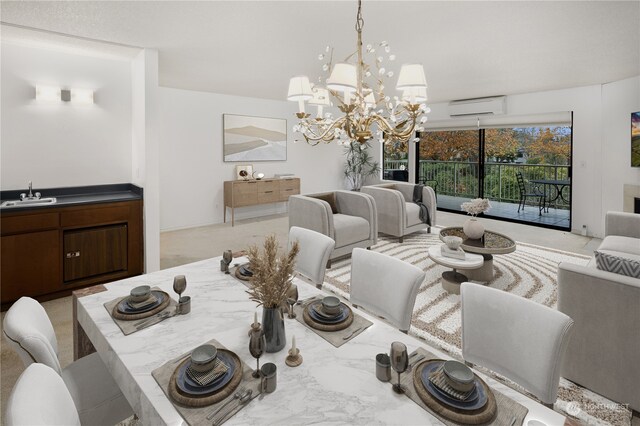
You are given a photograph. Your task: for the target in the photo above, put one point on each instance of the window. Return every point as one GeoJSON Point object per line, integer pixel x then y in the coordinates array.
{"type": "Point", "coordinates": [395, 161]}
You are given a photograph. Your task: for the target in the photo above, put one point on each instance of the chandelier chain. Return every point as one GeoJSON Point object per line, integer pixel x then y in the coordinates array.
{"type": "Point", "coordinates": [359, 18]}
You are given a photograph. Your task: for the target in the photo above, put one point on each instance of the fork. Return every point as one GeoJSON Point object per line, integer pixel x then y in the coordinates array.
{"type": "Point", "coordinates": [147, 321]}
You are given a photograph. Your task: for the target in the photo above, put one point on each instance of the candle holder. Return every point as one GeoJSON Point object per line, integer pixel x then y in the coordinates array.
{"type": "Point", "coordinates": [294, 358]}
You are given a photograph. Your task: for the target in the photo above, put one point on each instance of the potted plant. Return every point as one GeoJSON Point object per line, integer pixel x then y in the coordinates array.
{"type": "Point", "coordinates": [359, 164]}
{"type": "Point", "coordinates": [473, 228]}
{"type": "Point", "coordinates": [272, 276]}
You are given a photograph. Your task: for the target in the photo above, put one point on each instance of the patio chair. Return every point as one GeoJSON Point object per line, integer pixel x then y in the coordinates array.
{"type": "Point", "coordinates": [524, 194]}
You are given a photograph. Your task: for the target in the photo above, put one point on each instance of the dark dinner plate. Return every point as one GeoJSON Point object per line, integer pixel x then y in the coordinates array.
{"type": "Point", "coordinates": [124, 308]}
{"type": "Point", "coordinates": [322, 319]}
{"type": "Point", "coordinates": [187, 385]}
{"type": "Point", "coordinates": [245, 271]}
{"type": "Point", "coordinates": [476, 402]}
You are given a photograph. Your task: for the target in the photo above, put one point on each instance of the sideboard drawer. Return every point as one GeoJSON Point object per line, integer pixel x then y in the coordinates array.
{"type": "Point", "coordinates": [286, 193]}
{"type": "Point", "coordinates": [290, 184]}
{"type": "Point", "coordinates": [270, 196]}
{"type": "Point", "coordinates": [268, 186]}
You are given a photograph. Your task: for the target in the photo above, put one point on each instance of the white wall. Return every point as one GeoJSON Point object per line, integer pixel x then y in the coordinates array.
{"type": "Point", "coordinates": [59, 144]}
{"type": "Point", "coordinates": [601, 147]}
{"type": "Point", "coordinates": [619, 100]}
{"type": "Point", "coordinates": [192, 169]}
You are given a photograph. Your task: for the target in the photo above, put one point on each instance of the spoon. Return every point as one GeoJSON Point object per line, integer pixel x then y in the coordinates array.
{"type": "Point", "coordinates": [246, 397]}
{"type": "Point", "coordinates": [236, 395]}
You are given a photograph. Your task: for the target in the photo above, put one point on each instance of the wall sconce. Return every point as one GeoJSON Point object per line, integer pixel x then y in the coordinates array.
{"type": "Point", "coordinates": [54, 94]}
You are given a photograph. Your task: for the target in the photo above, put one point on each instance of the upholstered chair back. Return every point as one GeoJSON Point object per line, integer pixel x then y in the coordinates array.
{"type": "Point", "coordinates": [315, 249]}
{"type": "Point", "coordinates": [40, 397]}
{"type": "Point", "coordinates": [29, 332]}
{"type": "Point", "coordinates": [385, 286]}
{"type": "Point", "coordinates": [515, 337]}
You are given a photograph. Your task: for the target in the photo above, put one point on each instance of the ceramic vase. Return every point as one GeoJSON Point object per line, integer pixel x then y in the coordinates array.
{"type": "Point", "coordinates": [473, 228]}
{"type": "Point", "coordinates": [273, 326]}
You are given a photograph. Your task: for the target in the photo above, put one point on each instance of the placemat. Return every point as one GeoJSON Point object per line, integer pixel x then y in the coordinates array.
{"type": "Point", "coordinates": [507, 408]}
{"type": "Point", "coordinates": [326, 327]}
{"type": "Point", "coordinates": [336, 338]}
{"type": "Point", "coordinates": [129, 326]}
{"type": "Point", "coordinates": [198, 415]}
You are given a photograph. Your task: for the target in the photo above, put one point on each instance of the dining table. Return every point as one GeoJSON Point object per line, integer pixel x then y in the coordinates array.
{"type": "Point", "coordinates": [335, 385]}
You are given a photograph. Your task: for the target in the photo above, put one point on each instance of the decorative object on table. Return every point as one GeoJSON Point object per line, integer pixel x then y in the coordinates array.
{"type": "Point", "coordinates": [249, 138]}
{"type": "Point", "coordinates": [635, 139]}
{"type": "Point", "coordinates": [359, 91]}
{"type": "Point", "coordinates": [294, 358]}
{"type": "Point", "coordinates": [292, 298]}
{"type": "Point", "coordinates": [452, 242]}
{"type": "Point", "coordinates": [243, 272]}
{"type": "Point", "coordinates": [126, 310]}
{"type": "Point", "coordinates": [257, 343]}
{"type": "Point", "coordinates": [383, 367]}
{"type": "Point", "coordinates": [399, 362]}
{"type": "Point", "coordinates": [271, 279]}
{"type": "Point", "coordinates": [315, 315]}
{"type": "Point", "coordinates": [473, 228]}
{"type": "Point", "coordinates": [244, 172]}
{"type": "Point", "coordinates": [184, 305]}
{"type": "Point", "coordinates": [227, 258]}
{"type": "Point", "coordinates": [269, 377]}
{"type": "Point", "coordinates": [257, 176]}
{"type": "Point", "coordinates": [454, 254]}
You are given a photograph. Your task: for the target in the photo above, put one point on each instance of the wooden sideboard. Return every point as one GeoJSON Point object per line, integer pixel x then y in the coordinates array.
{"type": "Point", "coordinates": [243, 193]}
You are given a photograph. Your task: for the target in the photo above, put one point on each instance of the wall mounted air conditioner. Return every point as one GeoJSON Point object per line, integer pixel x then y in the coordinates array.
{"type": "Point", "coordinates": [494, 105]}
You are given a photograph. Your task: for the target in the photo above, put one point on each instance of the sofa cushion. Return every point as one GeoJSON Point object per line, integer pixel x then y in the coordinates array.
{"type": "Point", "coordinates": [329, 197]}
{"type": "Point", "coordinates": [621, 244]}
{"type": "Point", "coordinates": [349, 229]}
{"type": "Point", "coordinates": [618, 264]}
{"type": "Point", "coordinates": [413, 214]}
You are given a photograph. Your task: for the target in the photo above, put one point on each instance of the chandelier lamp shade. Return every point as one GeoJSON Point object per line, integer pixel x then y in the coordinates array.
{"type": "Point", "coordinates": [357, 85]}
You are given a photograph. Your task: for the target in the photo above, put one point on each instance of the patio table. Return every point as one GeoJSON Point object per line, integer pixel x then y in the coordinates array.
{"type": "Point", "coordinates": [559, 186]}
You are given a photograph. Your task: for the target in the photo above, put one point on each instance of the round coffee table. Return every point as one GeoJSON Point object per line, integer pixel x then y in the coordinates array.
{"type": "Point", "coordinates": [451, 280]}
{"type": "Point", "coordinates": [491, 243]}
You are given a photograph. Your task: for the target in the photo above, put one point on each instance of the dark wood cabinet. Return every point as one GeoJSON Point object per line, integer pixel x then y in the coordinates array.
{"type": "Point", "coordinates": [94, 251]}
{"type": "Point", "coordinates": [48, 252]}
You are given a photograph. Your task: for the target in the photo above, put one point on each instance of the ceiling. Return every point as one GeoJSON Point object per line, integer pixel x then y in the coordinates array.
{"type": "Point", "coordinates": [469, 49]}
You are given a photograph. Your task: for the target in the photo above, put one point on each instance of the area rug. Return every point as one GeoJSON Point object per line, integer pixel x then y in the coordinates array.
{"type": "Point", "coordinates": [529, 272]}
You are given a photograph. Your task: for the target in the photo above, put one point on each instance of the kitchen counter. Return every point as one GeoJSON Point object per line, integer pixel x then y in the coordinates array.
{"type": "Point", "coordinates": [76, 196]}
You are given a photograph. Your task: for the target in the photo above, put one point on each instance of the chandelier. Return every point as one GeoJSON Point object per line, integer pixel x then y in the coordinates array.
{"type": "Point", "coordinates": [358, 90]}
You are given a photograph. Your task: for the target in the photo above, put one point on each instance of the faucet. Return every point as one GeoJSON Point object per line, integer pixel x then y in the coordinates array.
{"type": "Point", "coordinates": [30, 195]}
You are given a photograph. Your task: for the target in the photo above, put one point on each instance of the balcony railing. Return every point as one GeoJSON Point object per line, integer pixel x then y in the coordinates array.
{"type": "Point", "coordinates": [460, 179]}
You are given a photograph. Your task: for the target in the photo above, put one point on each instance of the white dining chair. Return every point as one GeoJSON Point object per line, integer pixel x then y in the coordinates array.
{"type": "Point", "coordinates": [97, 397]}
{"type": "Point", "coordinates": [515, 337]}
{"type": "Point", "coordinates": [40, 397]}
{"type": "Point", "coordinates": [315, 249]}
{"type": "Point", "coordinates": [385, 286]}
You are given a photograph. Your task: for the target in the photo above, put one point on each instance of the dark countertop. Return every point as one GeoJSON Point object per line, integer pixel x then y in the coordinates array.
{"type": "Point", "coordinates": [78, 195]}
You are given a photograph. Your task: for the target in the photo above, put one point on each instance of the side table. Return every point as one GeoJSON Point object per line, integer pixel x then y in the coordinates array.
{"type": "Point", "coordinates": [451, 280]}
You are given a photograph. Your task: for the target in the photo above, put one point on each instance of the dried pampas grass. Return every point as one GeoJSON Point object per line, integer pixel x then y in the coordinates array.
{"type": "Point", "coordinates": [272, 273]}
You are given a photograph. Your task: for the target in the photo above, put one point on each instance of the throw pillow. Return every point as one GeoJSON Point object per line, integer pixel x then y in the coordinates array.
{"type": "Point", "coordinates": [330, 198]}
{"type": "Point", "coordinates": [617, 264]}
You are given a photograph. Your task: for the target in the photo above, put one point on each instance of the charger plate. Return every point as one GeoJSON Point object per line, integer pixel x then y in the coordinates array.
{"type": "Point", "coordinates": [466, 417]}
{"type": "Point", "coordinates": [327, 327]}
{"type": "Point", "coordinates": [115, 313]}
{"type": "Point", "coordinates": [190, 400]}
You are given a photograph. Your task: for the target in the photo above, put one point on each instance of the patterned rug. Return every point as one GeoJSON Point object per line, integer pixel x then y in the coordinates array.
{"type": "Point", "coordinates": [529, 272]}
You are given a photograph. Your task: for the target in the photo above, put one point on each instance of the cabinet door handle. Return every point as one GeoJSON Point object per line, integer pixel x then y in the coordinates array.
{"type": "Point", "coordinates": [268, 192]}
{"type": "Point", "coordinates": [73, 254]}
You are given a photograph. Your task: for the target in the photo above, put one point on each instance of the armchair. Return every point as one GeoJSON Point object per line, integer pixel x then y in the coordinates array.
{"type": "Point", "coordinates": [398, 215]}
{"type": "Point", "coordinates": [350, 220]}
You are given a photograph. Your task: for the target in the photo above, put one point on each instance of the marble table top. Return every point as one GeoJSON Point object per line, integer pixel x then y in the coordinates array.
{"type": "Point", "coordinates": [333, 385]}
{"type": "Point", "coordinates": [471, 261]}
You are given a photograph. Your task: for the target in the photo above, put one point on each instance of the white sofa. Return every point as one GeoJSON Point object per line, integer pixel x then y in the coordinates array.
{"type": "Point", "coordinates": [604, 352]}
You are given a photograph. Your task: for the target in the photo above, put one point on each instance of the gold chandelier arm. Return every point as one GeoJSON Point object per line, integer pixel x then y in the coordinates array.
{"type": "Point", "coordinates": [327, 134]}
{"type": "Point", "coordinates": [392, 131]}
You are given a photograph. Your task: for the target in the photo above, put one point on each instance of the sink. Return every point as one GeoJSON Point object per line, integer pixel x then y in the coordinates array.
{"type": "Point", "coordinates": [29, 202]}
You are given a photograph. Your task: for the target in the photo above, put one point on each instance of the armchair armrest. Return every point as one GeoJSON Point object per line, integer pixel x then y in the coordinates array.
{"type": "Point", "coordinates": [311, 213]}
{"type": "Point", "coordinates": [359, 204]}
{"type": "Point", "coordinates": [429, 199]}
{"type": "Point", "coordinates": [624, 224]}
{"type": "Point", "coordinates": [390, 204]}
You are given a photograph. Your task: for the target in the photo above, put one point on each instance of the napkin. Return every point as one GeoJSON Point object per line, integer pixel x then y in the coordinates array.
{"type": "Point", "coordinates": [438, 380]}
{"type": "Point", "coordinates": [207, 377]}
{"type": "Point", "coordinates": [143, 304]}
